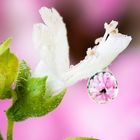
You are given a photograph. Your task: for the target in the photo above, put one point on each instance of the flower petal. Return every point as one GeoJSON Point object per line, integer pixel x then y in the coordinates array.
{"type": "Point", "coordinates": [53, 81]}
{"type": "Point", "coordinates": [51, 41]}
{"type": "Point", "coordinates": [106, 53]}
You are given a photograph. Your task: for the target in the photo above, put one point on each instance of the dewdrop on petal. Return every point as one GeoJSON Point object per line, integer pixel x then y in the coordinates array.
{"type": "Point", "coordinates": [50, 39]}
{"type": "Point", "coordinates": [103, 87]}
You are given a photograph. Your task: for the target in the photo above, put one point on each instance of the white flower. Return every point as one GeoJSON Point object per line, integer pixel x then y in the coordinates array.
{"type": "Point", "coordinates": [51, 41]}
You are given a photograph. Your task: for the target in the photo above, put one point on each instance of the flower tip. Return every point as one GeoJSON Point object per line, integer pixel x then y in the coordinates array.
{"type": "Point", "coordinates": [130, 38]}
{"type": "Point", "coordinates": [47, 11]}
{"type": "Point", "coordinates": [50, 16]}
{"type": "Point", "coordinates": [111, 26]}
{"type": "Point", "coordinates": [42, 9]}
{"type": "Point", "coordinates": [113, 22]}
{"type": "Point", "coordinates": [54, 11]}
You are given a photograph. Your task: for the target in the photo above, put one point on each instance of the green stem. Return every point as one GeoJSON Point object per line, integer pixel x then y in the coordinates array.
{"type": "Point", "coordinates": [1, 137]}
{"type": "Point", "coordinates": [10, 129]}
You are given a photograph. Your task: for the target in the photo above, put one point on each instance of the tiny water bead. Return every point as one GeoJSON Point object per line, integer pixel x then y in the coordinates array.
{"type": "Point", "coordinates": [103, 87]}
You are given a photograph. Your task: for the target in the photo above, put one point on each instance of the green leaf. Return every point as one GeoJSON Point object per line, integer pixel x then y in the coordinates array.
{"type": "Point", "coordinates": [24, 75]}
{"type": "Point", "coordinates": [1, 137]}
{"type": "Point", "coordinates": [4, 45]}
{"type": "Point", "coordinates": [8, 70]}
{"type": "Point", "coordinates": [33, 101]}
{"type": "Point", "coordinates": [81, 138]}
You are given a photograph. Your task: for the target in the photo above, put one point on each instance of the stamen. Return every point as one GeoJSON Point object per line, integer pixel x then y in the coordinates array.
{"type": "Point", "coordinates": [90, 52]}
{"type": "Point", "coordinates": [98, 40]}
{"type": "Point", "coordinates": [109, 28]}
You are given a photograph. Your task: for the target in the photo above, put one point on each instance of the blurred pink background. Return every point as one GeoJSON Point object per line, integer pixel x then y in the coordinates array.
{"type": "Point", "coordinates": [77, 115]}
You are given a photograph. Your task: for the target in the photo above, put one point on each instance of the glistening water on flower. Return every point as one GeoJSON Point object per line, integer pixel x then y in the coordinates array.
{"type": "Point", "coordinates": [39, 92]}
{"type": "Point", "coordinates": [50, 39]}
{"type": "Point", "coordinates": [103, 87]}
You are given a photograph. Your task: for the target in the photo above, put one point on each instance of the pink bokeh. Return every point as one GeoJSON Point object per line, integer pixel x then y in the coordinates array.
{"type": "Point", "coordinates": [77, 115]}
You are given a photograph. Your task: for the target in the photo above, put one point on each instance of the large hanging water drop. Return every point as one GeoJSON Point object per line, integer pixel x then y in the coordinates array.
{"type": "Point", "coordinates": [103, 87]}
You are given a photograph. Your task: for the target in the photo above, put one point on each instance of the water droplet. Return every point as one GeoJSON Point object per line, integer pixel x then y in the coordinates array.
{"type": "Point", "coordinates": [103, 87]}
